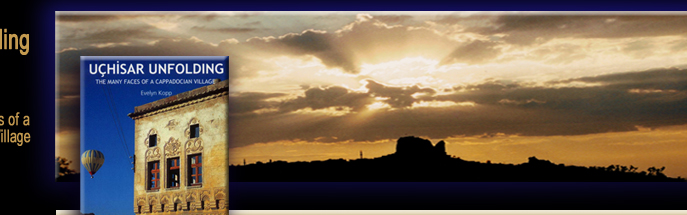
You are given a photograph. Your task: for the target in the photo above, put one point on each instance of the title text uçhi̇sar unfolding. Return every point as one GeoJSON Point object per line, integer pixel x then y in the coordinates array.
{"type": "Point", "coordinates": [154, 68]}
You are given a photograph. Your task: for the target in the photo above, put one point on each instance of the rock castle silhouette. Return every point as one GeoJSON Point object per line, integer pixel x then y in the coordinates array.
{"type": "Point", "coordinates": [418, 147]}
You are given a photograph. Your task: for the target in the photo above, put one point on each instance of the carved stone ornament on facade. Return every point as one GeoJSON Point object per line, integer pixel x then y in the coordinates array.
{"type": "Point", "coordinates": [178, 198]}
{"type": "Point", "coordinates": [165, 200]}
{"type": "Point", "coordinates": [214, 123]}
{"type": "Point", "coordinates": [190, 197]}
{"type": "Point", "coordinates": [172, 148]}
{"type": "Point", "coordinates": [194, 146]}
{"type": "Point", "coordinates": [219, 194]}
{"type": "Point", "coordinates": [172, 124]}
{"type": "Point", "coordinates": [152, 199]}
{"type": "Point", "coordinates": [153, 154]}
{"type": "Point", "coordinates": [205, 195]}
{"type": "Point", "coordinates": [141, 201]}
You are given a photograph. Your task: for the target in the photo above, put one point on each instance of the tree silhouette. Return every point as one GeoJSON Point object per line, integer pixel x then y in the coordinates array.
{"type": "Point", "coordinates": [656, 171]}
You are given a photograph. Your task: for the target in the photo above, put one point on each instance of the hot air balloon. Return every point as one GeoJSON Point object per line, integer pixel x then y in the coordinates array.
{"type": "Point", "coordinates": [92, 160]}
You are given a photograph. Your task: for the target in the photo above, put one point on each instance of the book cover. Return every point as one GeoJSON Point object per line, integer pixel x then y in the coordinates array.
{"type": "Point", "coordinates": [156, 126]}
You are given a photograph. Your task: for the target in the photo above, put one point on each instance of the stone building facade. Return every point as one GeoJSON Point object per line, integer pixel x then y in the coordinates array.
{"type": "Point", "coordinates": [181, 153]}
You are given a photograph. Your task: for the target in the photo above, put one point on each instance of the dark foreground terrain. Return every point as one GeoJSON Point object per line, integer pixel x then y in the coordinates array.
{"type": "Point", "coordinates": [417, 160]}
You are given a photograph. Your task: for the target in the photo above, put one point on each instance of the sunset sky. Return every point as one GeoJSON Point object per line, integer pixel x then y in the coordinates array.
{"type": "Point", "coordinates": [589, 89]}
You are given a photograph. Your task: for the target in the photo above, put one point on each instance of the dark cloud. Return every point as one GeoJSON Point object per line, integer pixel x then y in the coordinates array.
{"type": "Point", "coordinates": [661, 79]}
{"type": "Point", "coordinates": [642, 26]}
{"type": "Point", "coordinates": [366, 40]}
{"type": "Point", "coordinates": [86, 18]}
{"type": "Point", "coordinates": [321, 45]}
{"type": "Point", "coordinates": [510, 23]}
{"type": "Point", "coordinates": [649, 98]}
{"type": "Point", "coordinates": [395, 97]}
{"type": "Point", "coordinates": [109, 17]}
{"type": "Point", "coordinates": [489, 85]}
{"type": "Point", "coordinates": [528, 29]}
{"type": "Point", "coordinates": [68, 111]}
{"type": "Point", "coordinates": [398, 97]}
{"type": "Point", "coordinates": [612, 103]}
{"type": "Point", "coordinates": [86, 37]}
{"type": "Point", "coordinates": [334, 96]}
{"type": "Point", "coordinates": [317, 98]}
{"type": "Point", "coordinates": [105, 17]}
{"type": "Point", "coordinates": [247, 102]}
{"type": "Point", "coordinates": [119, 35]}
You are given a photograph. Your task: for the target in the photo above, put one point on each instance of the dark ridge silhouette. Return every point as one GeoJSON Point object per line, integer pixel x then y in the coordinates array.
{"type": "Point", "coordinates": [416, 159]}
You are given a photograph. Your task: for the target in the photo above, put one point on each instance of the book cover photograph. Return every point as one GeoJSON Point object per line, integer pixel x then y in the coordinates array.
{"type": "Point", "coordinates": [157, 126]}
{"type": "Point", "coordinates": [378, 110]}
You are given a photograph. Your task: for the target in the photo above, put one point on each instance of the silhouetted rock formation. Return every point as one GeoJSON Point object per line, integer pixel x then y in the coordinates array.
{"type": "Point", "coordinates": [415, 147]}
{"type": "Point", "coordinates": [440, 148]}
{"type": "Point", "coordinates": [534, 161]}
{"type": "Point", "coordinates": [416, 159]}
